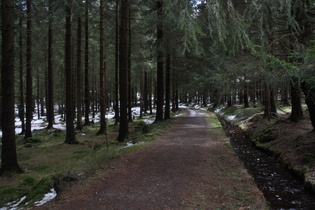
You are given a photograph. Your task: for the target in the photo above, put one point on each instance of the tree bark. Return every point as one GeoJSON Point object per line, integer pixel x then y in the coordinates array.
{"type": "Point", "coordinates": [29, 88]}
{"type": "Point", "coordinates": [123, 71]}
{"type": "Point", "coordinates": [246, 102]}
{"type": "Point", "coordinates": [102, 129]}
{"type": "Point", "coordinates": [8, 150]}
{"type": "Point", "coordinates": [116, 104]}
{"type": "Point", "coordinates": [309, 92]}
{"type": "Point", "coordinates": [129, 68]}
{"type": "Point", "coordinates": [160, 73]}
{"type": "Point", "coordinates": [273, 107]}
{"type": "Point", "coordinates": [145, 92]}
{"type": "Point", "coordinates": [86, 70]}
{"type": "Point", "coordinates": [79, 76]}
{"type": "Point", "coordinates": [267, 109]}
{"type": "Point", "coordinates": [50, 84]}
{"type": "Point", "coordinates": [296, 111]}
{"type": "Point", "coordinates": [167, 114]}
{"type": "Point", "coordinates": [70, 132]}
{"type": "Point", "coordinates": [21, 105]}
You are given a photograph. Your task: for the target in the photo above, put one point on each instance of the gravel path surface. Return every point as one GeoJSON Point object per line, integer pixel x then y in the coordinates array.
{"type": "Point", "coordinates": [191, 166]}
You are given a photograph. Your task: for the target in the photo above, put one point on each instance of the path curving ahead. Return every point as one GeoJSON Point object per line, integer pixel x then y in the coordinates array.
{"type": "Point", "coordinates": [190, 166]}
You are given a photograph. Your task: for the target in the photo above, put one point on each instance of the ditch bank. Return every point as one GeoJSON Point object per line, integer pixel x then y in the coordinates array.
{"type": "Point", "coordinates": [267, 163]}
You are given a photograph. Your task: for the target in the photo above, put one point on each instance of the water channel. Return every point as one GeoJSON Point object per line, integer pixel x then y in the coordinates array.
{"type": "Point", "coordinates": [281, 189]}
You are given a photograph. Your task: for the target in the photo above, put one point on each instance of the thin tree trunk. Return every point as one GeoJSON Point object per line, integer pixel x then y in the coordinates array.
{"type": "Point", "coordinates": [86, 76]}
{"type": "Point", "coordinates": [145, 92]}
{"type": "Point", "coordinates": [38, 95]}
{"type": "Point", "coordinates": [168, 83]}
{"type": "Point", "coordinates": [102, 129]}
{"type": "Point", "coordinates": [267, 109]}
{"type": "Point", "coordinates": [116, 104]}
{"type": "Point", "coordinates": [150, 94]}
{"type": "Point", "coordinates": [160, 73]}
{"type": "Point", "coordinates": [273, 107]}
{"type": "Point", "coordinates": [70, 132]}
{"type": "Point", "coordinates": [8, 150]}
{"type": "Point", "coordinates": [29, 88]}
{"type": "Point", "coordinates": [50, 101]}
{"type": "Point", "coordinates": [79, 77]}
{"type": "Point", "coordinates": [174, 92]}
{"type": "Point", "coordinates": [142, 91]}
{"type": "Point", "coordinates": [129, 68]}
{"type": "Point", "coordinates": [123, 71]}
{"type": "Point", "coordinates": [296, 111]}
{"type": "Point", "coordinates": [21, 87]}
{"type": "Point", "coordinates": [309, 92]}
{"type": "Point", "coordinates": [246, 102]}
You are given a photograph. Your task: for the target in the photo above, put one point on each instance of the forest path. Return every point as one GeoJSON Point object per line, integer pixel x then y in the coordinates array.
{"type": "Point", "coordinates": [190, 166]}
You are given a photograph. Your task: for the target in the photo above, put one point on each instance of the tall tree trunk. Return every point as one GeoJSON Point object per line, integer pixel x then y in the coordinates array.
{"type": "Point", "coordinates": [285, 98]}
{"type": "Point", "coordinates": [142, 91]}
{"type": "Point", "coordinates": [267, 109]}
{"type": "Point", "coordinates": [160, 73]}
{"type": "Point", "coordinates": [102, 129]}
{"type": "Point", "coordinates": [246, 102]}
{"type": "Point", "coordinates": [29, 88]}
{"type": "Point", "coordinates": [123, 71]}
{"type": "Point", "coordinates": [8, 150]}
{"type": "Point", "coordinates": [296, 111]}
{"type": "Point", "coordinates": [86, 76]}
{"type": "Point", "coordinates": [50, 84]}
{"type": "Point", "coordinates": [79, 77]}
{"type": "Point", "coordinates": [21, 84]}
{"type": "Point", "coordinates": [168, 82]}
{"type": "Point", "coordinates": [70, 132]}
{"type": "Point", "coordinates": [145, 92]}
{"type": "Point", "coordinates": [38, 94]}
{"type": "Point", "coordinates": [150, 94]}
{"type": "Point", "coordinates": [309, 92]}
{"type": "Point", "coordinates": [129, 67]}
{"type": "Point", "coordinates": [273, 107]}
{"type": "Point", "coordinates": [116, 104]}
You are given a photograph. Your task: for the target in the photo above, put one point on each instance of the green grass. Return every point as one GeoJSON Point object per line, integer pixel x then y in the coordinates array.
{"type": "Point", "coordinates": [48, 162]}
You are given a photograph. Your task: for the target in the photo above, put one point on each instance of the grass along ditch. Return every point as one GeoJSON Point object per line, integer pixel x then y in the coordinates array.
{"type": "Point", "coordinates": [50, 166]}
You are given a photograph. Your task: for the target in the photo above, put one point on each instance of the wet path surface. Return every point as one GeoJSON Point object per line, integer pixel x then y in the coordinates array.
{"type": "Point", "coordinates": [280, 188]}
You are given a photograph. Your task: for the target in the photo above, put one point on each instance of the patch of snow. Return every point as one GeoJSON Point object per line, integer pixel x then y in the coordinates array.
{"type": "Point", "coordinates": [148, 121]}
{"type": "Point", "coordinates": [47, 197]}
{"type": "Point", "coordinates": [197, 107]}
{"type": "Point", "coordinates": [13, 205]}
{"type": "Point", "coordinates": [192, 113]}
{"type": "Point", "coordinates": [178, 115]}
{"type": "Point", "coordinates": [231, 117]}
{"type": "Point", "coordinates": [218, 109]}
{"type": "Point", "coordinates": [130, 144]}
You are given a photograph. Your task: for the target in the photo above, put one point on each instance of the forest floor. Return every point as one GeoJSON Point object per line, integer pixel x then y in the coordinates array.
{"type": "Point", "coordinates": [192, 165]}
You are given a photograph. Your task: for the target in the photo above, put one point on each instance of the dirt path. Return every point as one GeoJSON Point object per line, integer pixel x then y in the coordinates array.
{"type": "Point", "coordinates": [190, 166]}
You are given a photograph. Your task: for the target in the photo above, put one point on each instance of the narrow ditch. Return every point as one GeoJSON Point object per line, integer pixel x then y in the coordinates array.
{"type": "Point", "coordinates": [281, 189]}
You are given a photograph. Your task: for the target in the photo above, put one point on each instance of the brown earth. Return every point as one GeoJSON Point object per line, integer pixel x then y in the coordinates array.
{"type": "Point", "coordinates": [191, 166]}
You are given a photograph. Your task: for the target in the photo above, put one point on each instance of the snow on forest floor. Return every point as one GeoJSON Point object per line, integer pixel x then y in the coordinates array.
{"type": "Point", "coordinates": [41, 123]}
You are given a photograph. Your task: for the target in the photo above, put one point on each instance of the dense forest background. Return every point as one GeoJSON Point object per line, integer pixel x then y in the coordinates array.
{"type": "Point", "coordinates": [84, 58]}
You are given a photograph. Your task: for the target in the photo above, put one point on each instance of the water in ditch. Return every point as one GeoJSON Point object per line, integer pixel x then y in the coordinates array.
{"type": "Point", "coordinates": [281, 189]}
